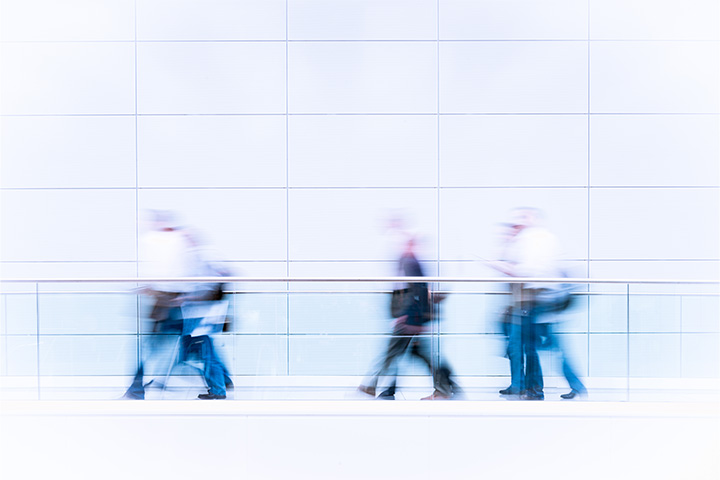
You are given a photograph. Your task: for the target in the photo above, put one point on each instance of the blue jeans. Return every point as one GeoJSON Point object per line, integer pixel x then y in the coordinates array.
{"type": "Point", "coordinates": [171, 324]}
{"type": "Point", "coordinates": [525, 369]}
{"type": "Point", "coordinates": [568, 372]}
{"type": "Point", "coordinates": [215, 373]}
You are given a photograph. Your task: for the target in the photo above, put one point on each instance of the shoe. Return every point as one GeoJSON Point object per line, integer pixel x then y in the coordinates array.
{"type": "Point", "coordinates": [133, 396]}
{"type": "Point", "coordinates": [229, 385]}
{"type": "Point", "coordinates": [437, 396]}
{"type": "Point", "coordinates": [211, 396]}
{"type": "Point", "coordinates": [533, 396]}
{"type": "Point", "coordinates": [367, 390]}
{"type": "Point", "coordinates": [510, 391]}
{"type": "Point", "coordinates": [572, 394]}
{"type": "Point", "coordinates": [386, 395]}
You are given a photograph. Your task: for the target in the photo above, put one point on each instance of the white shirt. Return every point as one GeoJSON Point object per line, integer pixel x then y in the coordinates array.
{"type": "Point", "coordinates": [535, 253]}
{"type": "Point", "coordinates": [164, 254]}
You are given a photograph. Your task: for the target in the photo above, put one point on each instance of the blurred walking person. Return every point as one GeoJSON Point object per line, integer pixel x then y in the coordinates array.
{"type": "Point", "coordinates": [411, 307]}
{"type": "Point", "coordinates": [163, 254]}
{"type": "Point", "coordinates": [532, 252]}
{"type": "Point", "coordinates": [205, 310]}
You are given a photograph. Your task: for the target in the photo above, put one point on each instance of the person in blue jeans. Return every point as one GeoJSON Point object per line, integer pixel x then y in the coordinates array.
{"type": "Point", "coordinates": [576, 386]}
{"type": "Point", "coordinates": [215, 373]}
{"type": "Point", "coordinates": [531, 251]}
{"type": "Point", "coordinates": [525, 369]}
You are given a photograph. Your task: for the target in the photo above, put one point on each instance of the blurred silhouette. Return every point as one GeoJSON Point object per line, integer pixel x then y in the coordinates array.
{"type": "Point", "coordinates": [163, 254]}
{"type": "Point", "coordinates": [532, 251]}
{"type": "Point", "coordinates": [412, 308]}
{"type": "Point", "coordinates": [205, 311]}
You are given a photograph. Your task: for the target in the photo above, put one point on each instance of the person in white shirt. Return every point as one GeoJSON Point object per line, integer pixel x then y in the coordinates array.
{"type": "Point", "coordinates": [163, 254]}
{"type": "Point", "coordinates": [532, 252]}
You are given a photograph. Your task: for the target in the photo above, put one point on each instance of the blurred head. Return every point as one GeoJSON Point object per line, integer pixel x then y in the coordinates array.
{"type": "Point", "coordinates": [410, 244]}
{"type": "Point", "coordinates": [164, 220]}
{"type": "Point", "coordinates": [524, 217]}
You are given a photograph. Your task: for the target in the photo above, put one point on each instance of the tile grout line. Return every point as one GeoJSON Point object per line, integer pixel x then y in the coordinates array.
{"type": "Point", "coordinates": [287, 186]}
{"type": "Point", "coordinates": [138, 344]}
{"type": "Point", "coordinates": [589, 169]}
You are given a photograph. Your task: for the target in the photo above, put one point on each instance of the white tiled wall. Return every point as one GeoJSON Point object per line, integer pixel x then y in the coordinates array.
{"type": "Point", "coordinates": [288, 130]}
{"type": "Point", "coordinates": [513, 77]}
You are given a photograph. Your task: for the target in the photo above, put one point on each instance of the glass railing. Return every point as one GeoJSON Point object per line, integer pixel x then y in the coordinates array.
{"type": "Point", "coordinates": [318, 337]}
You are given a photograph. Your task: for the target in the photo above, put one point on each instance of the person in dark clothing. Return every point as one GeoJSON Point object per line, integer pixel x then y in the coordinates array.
{"type": "Point", "coordinates": [414, 312]}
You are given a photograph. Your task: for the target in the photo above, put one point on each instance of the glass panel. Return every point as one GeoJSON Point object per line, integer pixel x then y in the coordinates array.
{"type": "Point", "coordinates": [323, 339]}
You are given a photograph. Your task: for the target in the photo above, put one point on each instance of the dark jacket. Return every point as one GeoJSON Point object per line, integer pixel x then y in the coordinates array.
{"type": "Point", "coordinates": [416, 304]}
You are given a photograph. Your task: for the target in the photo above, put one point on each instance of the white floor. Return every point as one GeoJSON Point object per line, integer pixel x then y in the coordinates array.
{"type": "Point", "coordinates": [187, 387]}
{"type": "Point", "coordinates": [326, 439]}
{"type": "Point", "coordinates": [322, 428]}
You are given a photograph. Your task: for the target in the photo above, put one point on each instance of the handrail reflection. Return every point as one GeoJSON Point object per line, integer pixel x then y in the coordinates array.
{"type": "Point", "coordinates": [588, 281]}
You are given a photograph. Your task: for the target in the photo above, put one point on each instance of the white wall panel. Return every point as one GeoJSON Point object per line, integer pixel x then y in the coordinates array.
{"type": "Point", "coordinates": [335, 355]}
{"type": "Point", "coordinates": [473, 266]}
{"type": "Point", "coordinates": [21, 356]}
{"type": "Point", "coordinates": [513, 20]}
{"type": "Point", "coordinates": [609, 313]}
{"type": "Point", "coordinates": [339, 313]}
{"type": "Point", "coordinates": [362, 20]}
{"type": "Point", "coordinates": [359, 150]}
{"type": "Point", "coordinates": [87, 313]}
{"type": "Point", "coordinates": [655, 150]}
{"type": "Point", "coordinates": [211, 20]}
{"type": "Point", "coordinates": [655, 355]}
{"type": "Point", "coordinates": [654, 223]}
{"type": "Point", "coordinates": [345, 269]}
{"type": "Point", "coordinates": [259, 355]}
{"type": "Point", "coordinates": [654, 19]}
{"type": "Point", "coordinates": [240, 224]}
{"type": "Point", "coordinates": [68, 152]}
{"type": "Point", "coordinates": [513, 77]}
{"type": "Point", "coordinates": [68, 225]}
{"type": "Point", "coordinates": [513, 150]}
{"type": "Point", "coordinates": [361, 77]}
{"type": "Point", "coordinates": [336, 224]}
{"type": "Point", "coordinates": [211, 77]}
{"type": "Point", "coordinates": [655, 313]}
{"type": "Point", "coordinates": [654, 77]}
{"type": "Point", "coordinates": [260, 313]}
{"type": "Point", "coordinates": [608, 356]}
{"type": "Point", "coordinates": [68, 78]}
{"type": "Point", "coordinates": [50, 20]}
{"type": "Point", "coordinates": [277, 268]}
{"type": "Point", "coordinates": [690, 270]}
{"type": "Point", "coordinates": [475, 354]}
{"type": "Point", "coordinates": [472, 313]}
{"type": "Point", "coordinates": [20, 312]}
{"type": "Point", "coordinates": [701, 356]}
{"type": "Point", "coordinates": [469, 219]}
{"type": "Point", "coordinates": [79, 269]}
{"type": "Point", "coordinates": [700, 314]}
{"type": "Point", "coordinates": [211, 151]}
{"type": "Point", "coordinates": [87, 355]}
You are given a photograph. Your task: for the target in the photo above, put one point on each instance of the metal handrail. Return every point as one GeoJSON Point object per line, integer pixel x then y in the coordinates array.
{"type": "Point", "coordinates": [360, 292]}
{"type": "Point", "coordinates": [588, 281]}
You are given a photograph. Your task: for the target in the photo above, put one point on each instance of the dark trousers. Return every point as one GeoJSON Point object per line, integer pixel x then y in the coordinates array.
{"type": "Point", "coordinates": [405, 336]}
